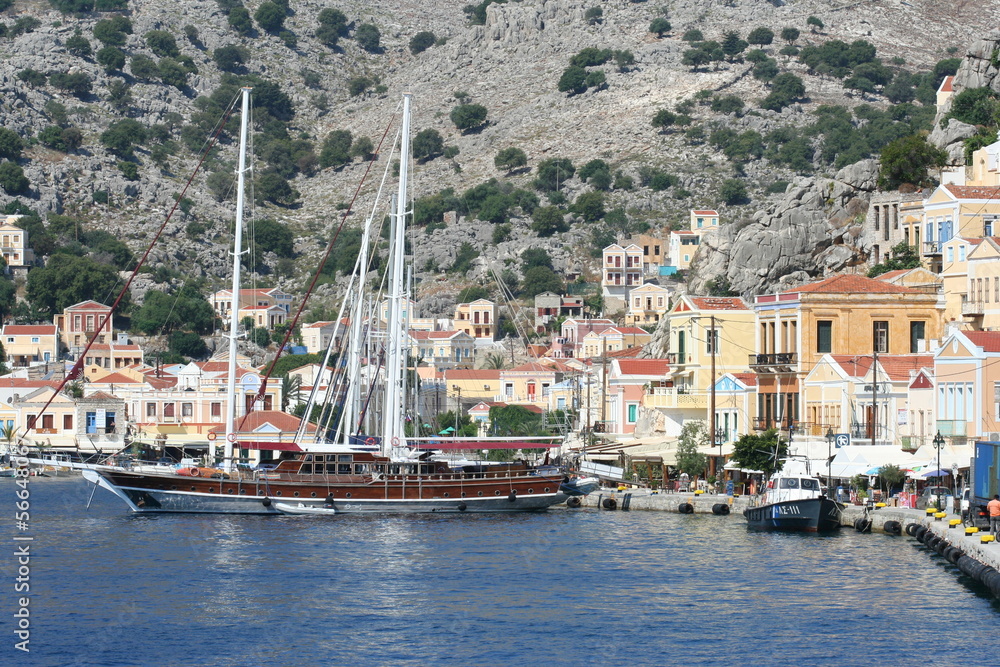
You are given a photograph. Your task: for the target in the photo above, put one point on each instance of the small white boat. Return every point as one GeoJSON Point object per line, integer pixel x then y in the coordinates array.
{"type": "Point", "coordinates": [580, 486]}
{"type": "Point", "coordinates": [302, 508]}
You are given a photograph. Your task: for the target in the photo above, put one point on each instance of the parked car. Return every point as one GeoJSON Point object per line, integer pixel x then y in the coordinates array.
{"type": "Point", "coordinates": [929, 497]}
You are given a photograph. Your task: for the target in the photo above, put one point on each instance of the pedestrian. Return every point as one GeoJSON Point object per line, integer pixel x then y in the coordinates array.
{"type": "Point", "coordinates": [993, 507]}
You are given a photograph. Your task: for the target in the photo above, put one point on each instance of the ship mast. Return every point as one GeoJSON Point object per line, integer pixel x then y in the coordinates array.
{"type": "Point", "coordinates": [393, 405]}
{"type": "Point", "coordinates": [234, 309]}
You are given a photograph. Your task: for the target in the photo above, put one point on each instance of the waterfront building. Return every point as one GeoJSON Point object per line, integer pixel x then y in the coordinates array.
{"type": "Point", "coordinates": [569, 342]}
{"type": "Point", "coordinates": [30, 344]}
{"type": "Point", "coordinates": [443, 349]}
{"type": "Point", "coordinates": [622, 271]}
{"type": "Point", "coordinates": [654, 251]}
{"type": "Point", "coordinates": [967, 379]}
{"type": "Point", "coordinates": [842, 315]}
{"type": "Point", "coordinates": [529, 384]}
{"type": "Point", "coordinates": [89, 424]}
{"type": "Point", "coordinates": [316, 336]}
{"type": "Point", "coordinates": [735, 406]}
{"type": "Point", "coordinates": [613, 339]}
{"type": "Point", "coordinates": [981, 296]}
{"type": "Point", "coordinates": [466, 386]}
{"type": "Point", "coordinates": [627, 382]}
{"type": "Point", "coordinates": [682, 248]}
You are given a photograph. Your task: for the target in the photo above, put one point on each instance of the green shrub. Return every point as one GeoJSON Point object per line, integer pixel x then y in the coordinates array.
{"type": "Point", "coordinates": [421, 42]}
{"type": "Point", "coordinates": [12, 179]}
{"type": "Point", "coordinates": [130, 170]}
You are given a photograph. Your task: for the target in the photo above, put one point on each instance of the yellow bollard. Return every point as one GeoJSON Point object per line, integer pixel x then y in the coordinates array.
{"type": "Point", "coordinates": [929, 511]}
{"type": "Point", "coordinates": [940, 515]}
{"type": "Point", "coordinates": [986, 538]}
{"type": "Point", "coordinates": [953, 523]}
{"type": "Point", "coordinates": [971, 530]}
{"type": "Point", "coordinates": [880, 505]}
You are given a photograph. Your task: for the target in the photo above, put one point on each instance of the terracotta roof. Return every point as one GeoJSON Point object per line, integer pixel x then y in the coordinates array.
{"type": "Point", "coordinates": [705, 212]}
{"type": "Point", "coordinates": [946, 85]}
{"type": "Point", "coordinates": [889, 275]}
{"type": "Point", "coordinates": [626, 330]}
{"type": "Point", "coordinates": [101, 396]}
{"type": "Point", "coordinates": [254, 420]}
{"type": "Point", "coordinates": [749, 379]}
{"type": "Point", "coordinates": [29, 329]}
{"type": "Point", "coordinates": [644, 366]}
{"type": "Point", "coordinates": [89, 305]}
{"type": "Point", "coordinates": [854, 365]}
{"type": "Point", "coordinates": [988, 340]}
{"type": "Point", "coordinates": [437, 335]}
{"type": "Point", "coordinates": [719, 303]}
{"type": "Point", "coordinates": [468, 374]}
{"type": "Point", "coordinates": [973, 191]}
{"type": "Point", "coordinates": [684, 232]}
{"type": "Point", "coordinates": [26, 383]}
{"type": "Point", "coordinates": [628, 352]}
{"type": "Point", "coordinates": [852, 284]}
{"type": "Point", "coordinates": [116, 378]}
{"type": "Point", "coordinates": [102, 347]}
{"type": "Point", "coordinates": [896, 366]}
{"type": "Point", "coordinates": [532, 366]}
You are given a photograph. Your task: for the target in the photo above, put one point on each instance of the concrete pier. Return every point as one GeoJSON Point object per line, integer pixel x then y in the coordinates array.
{"type": "Point", "coordinates": [645, 500]}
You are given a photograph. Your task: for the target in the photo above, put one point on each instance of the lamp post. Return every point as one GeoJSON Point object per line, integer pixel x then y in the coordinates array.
{"type": "Point", "coordinates": [720, 439]}
{"type": "Point", "coordinates": [938, 443]}
{"type": "Point", "coordinates": [458, 406]}
{"type": "Point", "coordinates": [829, 460]}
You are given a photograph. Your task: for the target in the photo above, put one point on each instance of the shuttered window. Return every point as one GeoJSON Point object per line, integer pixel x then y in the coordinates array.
{"type": "Point", "coordinates": [824, 336]}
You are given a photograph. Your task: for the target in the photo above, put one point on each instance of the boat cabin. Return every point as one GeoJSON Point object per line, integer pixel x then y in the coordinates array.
{"type": "Point", "coordinates": [781, 489]}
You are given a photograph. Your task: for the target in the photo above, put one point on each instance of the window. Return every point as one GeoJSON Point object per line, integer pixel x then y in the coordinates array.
{"type": "Point", "coordinates": [950, 254]}
{"type": "Point", "coordinates": [712, 341]}
{"type": "Point", "coordinates": [656, 250]}
{"type": "Point", "coordinates": [916, 335]}
{"type": "Point", "coordinates": [996, 400]}
{"type": "Point", "coordinates": [824, 336]}
{"type": "Point", "coordinates": [961, 253]}
{"type": "Point", "coordinates": [216, 409]}
{"type": "Point", "coordinates": [150, 409]}
{"type": "Point", "coordinates": [47, 421]}
{"type": "Point", "coordinates": [168, 410]}
{"type": "Point", "coordinates": [880, 337]}
{"type": "Point", "coordinates": [35, 339]}
{"type": "Point", "coordinates": [633, 412]}
{"type": "Point", "coordinates": [187, 409]}
{"type": "Point", "coordinates": [31, 421]}
{"type": "Point", "coordinates": [67, 422]}
{"type": "Point", "coordinates": [988, 227]}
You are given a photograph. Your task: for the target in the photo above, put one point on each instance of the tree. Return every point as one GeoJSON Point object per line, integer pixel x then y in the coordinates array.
{"type": "Point", "coordinates": [733, 191]}
{"type": "Point", "coordinates": [596, 79]}
{"type": "Point", "coordinates": [172, 73]}
{"type": "Point", "coordinates": [690, 461]}
{"type": "Point", "coordinates": [814, 23]}
{"type": "Point", "coordinates": [336, 151]}
{"type": "Point", "coordinates": [276, 189]}
{"type": "Point", "coordinates": [891, 476]}
{"type": "Point", "coordinates": [589, 206]}
{"type": "Point", "coordinates": [143, 67]}
{"type": "Point", "coordinates": [230, 58]}
{"type": "Point", "coordinates": [785, 89]}
{"type": "Point", "coordinates": [976, 106]}
{"type": "Point", "coordinates": [761, 36]}
{"type": "Point", "coordinates": [552, 172]}
{"type": "Point", "coordinates": [660, 26]}
{"type": "Point", "coordinates": [548, 220]}
{"type": "Point", "coordinates": [907, 160]}
{"type": "Point", "coordinates": [78, 45]}
{"type": "Point", "coordinates": [573, 80]}
{"type": "Point", "coordinates": [764, 451]}
{"type": "Point", "coordinates": [468, 117]}
{"type": "Point", "coordinates": [111, 58]}
{"type": "Point", "coordinates": [510, 159]}
{"type": "Point", "coordinates": [122, 136]}
{"type": "Point", "coordinates": [270, 17]}
{"type": "Point", "coordinates": [332, 26]}
{"type": "Point", "coordinates": [163, 313]}
{"type": "Point", "coordinates": [695, 58]}
{"type": "Point", "coordinates": [693, 35]}
{"type": "Point", "coordinates": [12, 179]}
{"type": "Point", "coordinates": [113, 31]}
{"type": "Point", "coordinates": [901, 256]}
{"type": "Point", "coordinates": [239, 20]}
{"type": "Point", "coordinates": [77, 83]}
{"type": "Point", "coordinates": [274, 236]}
{"type": "Point", "coordinates": [362, 147]}
{"type": "Point", "coordinates": [421, 42]}
{"type": "Point", "coordinates": [732, 45]}
{"type": "Point", "coordinates": [162, 43]}
{"type": "Point", "coordinates": [789, 34]}
{"type": "Point", "coordinates": [540, 279]}
{"type": "Point", "coordinates": [11, 144]}
{"type": "Point", "coordinates": [663, 119]}
{"type": "Point", "coordinates": [187, 343]}
{"type": "Point", "coordinates": [368, 37]}
{"type": "Point", "coordinates": [71, 280]}
{"type": "Point", "coordinates": [593, 15]}
{"type": "Point", "coordinates": [427, 144]}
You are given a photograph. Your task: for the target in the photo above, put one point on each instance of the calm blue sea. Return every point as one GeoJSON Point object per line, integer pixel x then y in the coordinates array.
{"type": "Point", "coordinates": [567, 587]}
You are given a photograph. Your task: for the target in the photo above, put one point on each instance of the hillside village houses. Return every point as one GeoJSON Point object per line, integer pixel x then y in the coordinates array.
{"type": "Point", "coordinates": [17, 253]}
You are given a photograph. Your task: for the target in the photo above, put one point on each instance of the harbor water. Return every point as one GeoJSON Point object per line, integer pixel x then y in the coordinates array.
{"type": "Point", "coordinates": [563, 587]}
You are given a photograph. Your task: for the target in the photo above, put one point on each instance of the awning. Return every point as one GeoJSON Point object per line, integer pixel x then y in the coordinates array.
{"type": "Point", "coordinates": [266, 445]}
{"type": "Point", "coordinates": [480, 444]}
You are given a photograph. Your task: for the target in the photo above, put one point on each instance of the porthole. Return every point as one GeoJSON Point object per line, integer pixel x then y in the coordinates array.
{"type": "Point", "coordinates": [277, 493]}
{"type": "Point", "coordinates": [173, 488]}
{"type": "Point", "coordinates": [296, 494]}
{"type": "Point", "coordinates": [447, 495]}
{"type": "Point", "coordinates": [480, 493]}
{"type": "Point", "coordinates": [260, 492]}
{"type": "Point", "coordinates": [211, 489]}
{"type": "Point", "coordinates": [546, 489]}
{"type": "Point", "coordinates": [463, 494]}
{"type": "Point", "coordinates": [530, 490]}
{"type": "Point", "coordinates": [347, 495]}
{"type": "Point", "coordinates": [243, 492]}
{"type": "Point", "coordinates": [229, 491]}
{"type": "Point", "coordinates": [192, 488]}
{"type": "Point", "coordinates": [312, 495]}
{"type": "Point", "coordinates": [497, 492]}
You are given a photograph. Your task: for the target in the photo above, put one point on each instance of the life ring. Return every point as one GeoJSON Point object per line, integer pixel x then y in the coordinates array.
{"type": "Point", "coordinates": [370, 441]}
{"type": "Point", "coordinates": [395, 440]}
{"type": "Point", "coordinates": [194, 472]}
{"type": "Point", "coordinates": [213, 435]}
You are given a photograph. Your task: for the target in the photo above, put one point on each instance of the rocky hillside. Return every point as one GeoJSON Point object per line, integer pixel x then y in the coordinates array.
{"type": "Point", "coordinates": [511, 63]}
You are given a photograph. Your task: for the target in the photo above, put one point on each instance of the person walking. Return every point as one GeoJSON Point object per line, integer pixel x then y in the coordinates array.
{"type": "Point", "coordinates": [993, 507]}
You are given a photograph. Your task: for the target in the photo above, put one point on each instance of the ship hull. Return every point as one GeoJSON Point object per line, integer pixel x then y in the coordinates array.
{"type": "Point", "coordinates": [146, 493]}
{"type": "Point", "coordinates": [809, 515]}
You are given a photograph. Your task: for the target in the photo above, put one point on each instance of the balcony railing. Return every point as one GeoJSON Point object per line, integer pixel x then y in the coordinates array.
{"type": "Point", "coordinates": [972, 307]}
{"type": "Point", "coordinates": [952, 427]}
{"type": "Point", "coordinates": [779, 361]}
{"type": "Point", "coordinates": [764, 423]}
{"type": "Point", "coordinates": [675, 397]}
{"type": "Point", "coordinates": [932, 248]}
{"type": "Point", "coordinates": [679, 359]}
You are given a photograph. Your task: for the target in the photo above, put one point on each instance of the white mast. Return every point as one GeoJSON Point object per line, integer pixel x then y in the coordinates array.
{"type": "Point", "coordinates": [393, 406]}
{"type": "Point", "coordinates": [234, 309]}
{"type": "Point", "coordinates": [353, 399]}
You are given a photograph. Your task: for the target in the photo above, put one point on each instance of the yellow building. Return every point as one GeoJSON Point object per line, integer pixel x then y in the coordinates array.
{"type": "Point", "coordinates": [477, 318]}
{"type": "Point", "coordinates": [30, 344]}
{"type": "Point", "coordinates": [14, 244]}
{"type": "Point", "coordinates": [703, 221]}
{"type": "Point", "coordinates": [647, 304]}
{"type": "Point", "coordinates": [981, 306]}
{"type": "Point", "coordinates": [842, 315]}
{"type": "Point", "coordinates": [967, 211]}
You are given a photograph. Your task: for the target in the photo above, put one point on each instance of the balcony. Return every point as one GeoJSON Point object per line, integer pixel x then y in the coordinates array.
{"type": "Point", "coordinates": [782, 362]}
{"type": "Point", "coordinates": [765, 423]}
{"type": "Point", "coordinates": [675, 398]}
{"type": "Point", "coordinates": [951, 428]}
{"type": "Point", "coordinates": [679, 358]}
{"type": "Point", "coordinates": [932, 248]}
{"type": "Point", "coordinates": [972, 308]}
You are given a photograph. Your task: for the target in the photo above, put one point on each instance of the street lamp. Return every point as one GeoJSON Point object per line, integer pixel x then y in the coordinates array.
{"type": "Point", "coordinates": [829, 460]}
{"type": "Point", "coordinates": [720, 439]}
{"type": "Point", "coordinates": [938, 443]}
